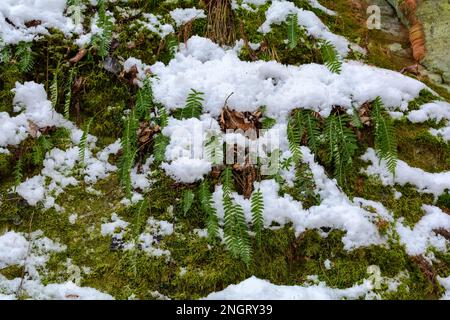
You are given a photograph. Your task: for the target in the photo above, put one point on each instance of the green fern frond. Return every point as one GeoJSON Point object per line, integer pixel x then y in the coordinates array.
{"type": "Point", "coordinates": [385, 140]}
{"type": "Point", "coordinates": [163, 117]}
{"type": "Point", "coordinates": [207, 204]}
{"type": "Point", "coordinates": [311, 125]}
{"type": "Point", "coordinates": [187, 198]}
{"type": "Point", "coordinates": [355, 119]}
{"type": "Point", "coordinates": [171, 45]}
{"type": "Point", "coordinates": [129, 152]}
{"type": "Point", "coordinates": [68, 98]}
{"type": "Point", "coordinates": [341, 145]}
{"type": "Point", "coordinates": [40, 148]}
{"type": "Point", "coordinates": [331, 57]}
{"type": "Point", "coordinates": [102, 41]}
{"type": "Point", "coordinates": [144, 100]}
{"type": "Point", "coordinates": [293, 30]}
{"type": "Point", "coordinates": [257, 209]}
{"type": "Point", "coordinates": [159, 147]}
{"type": "Point", "coordinates": [83, 141]}
{"type": "Point", "coordinates": [235, 227]}
{"type": "Point", "coordinates": [295, 131]}
{"type": "Point", "coordinates": [194, 105]}
{"type": "Point", "coordinates": [54, 90]}
{"type": "Point", "coordinates": [25, 56]}
{"type": "Point", "coordinates": [214, 150]}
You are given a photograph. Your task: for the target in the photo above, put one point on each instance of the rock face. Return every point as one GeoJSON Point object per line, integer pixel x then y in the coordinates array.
{"type": "Point", "coordinates": [434, 18]}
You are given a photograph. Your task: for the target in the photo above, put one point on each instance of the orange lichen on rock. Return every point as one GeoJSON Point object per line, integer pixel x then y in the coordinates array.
{"type": "Point", "coordinates": [416, 33]}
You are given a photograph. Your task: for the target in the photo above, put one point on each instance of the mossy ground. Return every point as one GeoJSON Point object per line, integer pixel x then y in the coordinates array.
{"type": "Point", "coordinates": [282, 259]}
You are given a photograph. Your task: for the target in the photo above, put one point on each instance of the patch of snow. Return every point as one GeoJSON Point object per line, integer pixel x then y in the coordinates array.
{"type": "Point", "coordinates": [204, 66]}
{"type": "Point", "coordinates": [280, 10]}
{"type": "Point", "coordinates": [445, 282]}
{"type": "Point", "coordinates": [116, 227]}
{"type": "Point", "coordinates": [257, 289]}
{"type": "Point", "coordinates": [418, 239]}
{"type": "Point", "coordinates": [153, 24]}
{"type": "Point", "coordinates": [183, 16]}
{"type": "Point", "coordinates": [14, 15]}
{"type": "Point", "coordinates": [434, 183]}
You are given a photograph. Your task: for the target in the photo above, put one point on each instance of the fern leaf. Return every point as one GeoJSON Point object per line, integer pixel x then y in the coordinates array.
{"type": "Point", "coordinates": [68, 98]}
{"type": "Point", "coordinates": [187, 198]}
{"type": "Point", "coordinates": [312, 130]}
{"type": "Point", "coordinates": [54, 90]}
{"type": "Point", "coordinates": [292, 20]}
{"type": "Point", "coordinates": [207, 204]}
{"type": "Point", "coordinates": [194, 105]}
{"type": "Point", "coordinates": [257, 209]}
{"type": "Point", "coordinates": [159, 147]}
{"type": "Point", "coordinates": [25, 56]}
{"type": "Point", "coordinates": [331, 57]}
{"type": "Point", "coordinates": [83, 141]}
{"type": "Point", "coordinates": [385, 141]}
{"type": "Point", "coordinates": [163, 117]}
{"type": "Point", "coordinates": [294, 135]}
{"type": "Point", "coordinates": [129, 152]}
{"type": "Point", "coordinates": [144, 100]}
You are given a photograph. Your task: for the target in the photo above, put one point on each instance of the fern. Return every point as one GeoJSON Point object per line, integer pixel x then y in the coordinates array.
{"type": "Point", "coordinates": [356, 121]}
{"type": "Point", "coordinates": [341, 145]}
{"type": "Point", "coordinates": [83, 141]}
{"type": "Point", "coordinates": [68, 98]}
{"type": "Point", "coordinates": [163, 117]}
{"type": "Point", "coordinates": [312, 130]}
{"type": "Point", "coordinates": [25, 56]}
{"type": "Point", "coordinates": [144, 100]}
{"type": "Point", "coordinates": [292, 21]}
{"type": "Point", "coordinates": [235, 227]}
{"type": "Point", "coordinates": [193, 107]}
{"type": "Point", "coordinates": [102, 41]}
{"type": "Point", "coordinates": [39, 150]}
{"type": "Point", "coordinates": [331, 57]}
{"type": "Point", "coordinates": [5, 55]}
{"type": "Point", "coordinates": [159, 147]}
{"type": "Point", "coordinates": [295, 131]}
{"type": "Point", "coordinates": [385, 141]}
{"type": "Point", "coordinates": [18, 173]}
{"type": "Point", "coordinates": [171, 45]}
{"type": "Point", "coordinates": [129, 152]}
{"type": "Point", "coordinates": [54, 90]}
{"type": "Point", "coordinates": [207, 205]}
{"type": "Point", "coordinates": [214, 150]}
{"type": "Point", "coordinates": [257, 209]}
{"type": "Point", "coordinates": [187, 198]}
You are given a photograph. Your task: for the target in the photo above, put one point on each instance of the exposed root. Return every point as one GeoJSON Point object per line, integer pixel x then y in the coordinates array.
{"type": "Point", "coordinates": [220, 22]}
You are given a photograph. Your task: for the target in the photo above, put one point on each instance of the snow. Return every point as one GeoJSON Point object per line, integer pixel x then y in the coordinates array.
{"type": "Point", "coordinates": [445, 282]}
{"type": "Point", "coordinates": [425, 182]}
{"type": "Point", "coordinates": [154, 24]}
{"type": "Point", "coordinates": [149, 240]}
{"type": "Point", "coordinates": [437, 111]}
{"type": "Point", "coordinates": [327, 264]}
{"type": "Point", "coordinates": [316, 4]}
{"type": "Point", "coordinates": [183, 16]}
{"type": "Point", "coordinates": [19, 12]}
{"type": "Point", "coordinates": [184, 154]}
{"type": "Point", "coordinates": [258, 289]}
{"type": "Point", "coordinates": [206, 67]}
{"type": "Point", "coordinates": [280, 10]}
{"type": "Point", "coordinates": [116, 227]}
{"type": "Point", "coordinates": [13, 249]}
{"type": "Point", "coordinates": [33, 254]}
{"type": "Point", "coordinates": [31, 99]}
{"type": "Point", "coordinates": [336, 210]}
{"type": "Point", "coordinates": [418, 239]}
